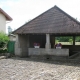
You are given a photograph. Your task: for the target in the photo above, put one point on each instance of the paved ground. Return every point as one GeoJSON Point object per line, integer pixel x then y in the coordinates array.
{"type": "Point", "coordinates": [32, 69]}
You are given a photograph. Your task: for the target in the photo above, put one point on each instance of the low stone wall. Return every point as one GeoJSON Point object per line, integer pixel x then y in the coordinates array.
{"type": "Point", "coordinates": [43, 51]}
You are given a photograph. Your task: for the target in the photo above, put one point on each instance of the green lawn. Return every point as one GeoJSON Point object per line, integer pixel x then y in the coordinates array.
{"type": "Point", "coordinates": [69, 43]}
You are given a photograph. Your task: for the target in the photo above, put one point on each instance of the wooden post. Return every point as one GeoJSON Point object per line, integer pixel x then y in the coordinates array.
{"type": "Point", "coordinates": [53, 41]}
{"type": "Point", "coordinates": [73, 40]}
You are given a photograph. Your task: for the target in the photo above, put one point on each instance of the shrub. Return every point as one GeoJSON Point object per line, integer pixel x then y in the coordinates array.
{"type": "Point", "coordinates": [71, 41]}
{"type": "Point", "coordinates": [3, 39]}
{"type": "Point", "coordinates": [3, 51]}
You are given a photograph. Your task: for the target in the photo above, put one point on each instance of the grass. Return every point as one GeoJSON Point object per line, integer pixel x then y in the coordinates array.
{"type": "Point", "coordinates": [69, 43]}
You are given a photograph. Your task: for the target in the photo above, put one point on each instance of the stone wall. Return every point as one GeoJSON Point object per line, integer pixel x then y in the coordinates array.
{"type": "Point", "coordinates": [17, 47]}
{"type": "Point", "coordinates": [21, 45]}
{"type": "Point", "coordinates": [43, 51]}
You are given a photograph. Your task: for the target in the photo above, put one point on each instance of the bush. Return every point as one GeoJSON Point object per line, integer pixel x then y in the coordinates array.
{"type": "Point", "coordinates": [56, 41]}
{"type": "Point", "coordinates": [3, 51]}
{"type": "Point", "coordinates": [71, 41]}
{"type": "Point", "coordinates": [3, 39]}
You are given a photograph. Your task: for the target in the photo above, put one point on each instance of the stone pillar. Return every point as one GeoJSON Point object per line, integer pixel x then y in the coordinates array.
{"type": "Point", "coordinates": [48, 45]}
{"type": "Point", "coordinates": [17, 46]}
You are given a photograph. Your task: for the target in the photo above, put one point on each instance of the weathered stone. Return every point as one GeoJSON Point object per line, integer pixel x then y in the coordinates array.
{"type": "Point", "coordinates": [42, 51]}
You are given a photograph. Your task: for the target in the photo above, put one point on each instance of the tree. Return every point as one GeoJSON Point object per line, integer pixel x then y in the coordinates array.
{"type": "Point", "coordinates": [77, 38]}
{"type": "Point", "coordinates": [3, 39]}
{"type": "Point", "coordinates": [64, 38]}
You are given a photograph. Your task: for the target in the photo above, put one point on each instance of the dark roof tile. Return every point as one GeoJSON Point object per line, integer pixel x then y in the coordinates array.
{"type": "Point", "coordinates": [52, 21]}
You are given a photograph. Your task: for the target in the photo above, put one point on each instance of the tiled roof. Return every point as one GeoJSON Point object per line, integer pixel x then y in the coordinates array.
{"type": "Point", "coordinates": [54, 21]}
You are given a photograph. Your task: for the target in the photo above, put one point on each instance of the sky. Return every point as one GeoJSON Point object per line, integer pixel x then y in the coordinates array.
{"type": "Point", "coordinates": [23, 11]}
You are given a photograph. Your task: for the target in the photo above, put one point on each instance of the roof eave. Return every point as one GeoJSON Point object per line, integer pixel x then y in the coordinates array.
{"type": "Point", "coordinates": [8, 18]}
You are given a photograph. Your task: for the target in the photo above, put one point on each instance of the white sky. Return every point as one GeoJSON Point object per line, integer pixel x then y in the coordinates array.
{"type": "Point", "coordinates": [24, 10]}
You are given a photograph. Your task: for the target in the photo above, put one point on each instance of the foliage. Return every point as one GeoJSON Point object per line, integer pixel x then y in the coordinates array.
{"type": "Point", "coordinates": [67, 39]}
{"type": "Point", "coordinates": [63, 39]}
{"type": "Point", "coordinates": [3, 51]}
{"type": "Point", "coordinates": [56, 41]}
{"type": "Point", "coordinates": [3, 39]}
{"type": "Point", "coordinates": [78, 39]}
{"type": "Point", "coordinates": [71, 41]}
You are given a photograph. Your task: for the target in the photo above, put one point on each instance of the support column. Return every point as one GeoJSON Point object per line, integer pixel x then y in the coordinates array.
{"type": "Point", "coordinates": [17, 47]}
{"type": "Point", "coordinates": [74, 40]}
{"type": "Point", "coordinates": [53, 39]}
{"type": "Point", "coordinates": [48, 45]}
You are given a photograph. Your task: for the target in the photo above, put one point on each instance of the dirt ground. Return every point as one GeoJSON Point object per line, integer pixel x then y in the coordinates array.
{"type": "Point", "coordinates": [32, 69]}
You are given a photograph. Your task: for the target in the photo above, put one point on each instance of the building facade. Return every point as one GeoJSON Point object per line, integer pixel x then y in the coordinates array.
{"type": "Point", "coordinates": [43, 30]}
{"type": "Point", "coordinates": [4, 17]}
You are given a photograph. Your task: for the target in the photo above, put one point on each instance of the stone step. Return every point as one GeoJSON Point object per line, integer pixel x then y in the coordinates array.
{"type": "Point", "coordinates": [75, 56]}
{"type": "Point", "coordinates": [50, 57]}
{"type": "Point", "coordinates": [2, 57]}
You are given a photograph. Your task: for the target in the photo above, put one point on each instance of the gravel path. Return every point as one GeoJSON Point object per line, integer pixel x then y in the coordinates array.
{"type": "Point", "coordinates": [29, 69]}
